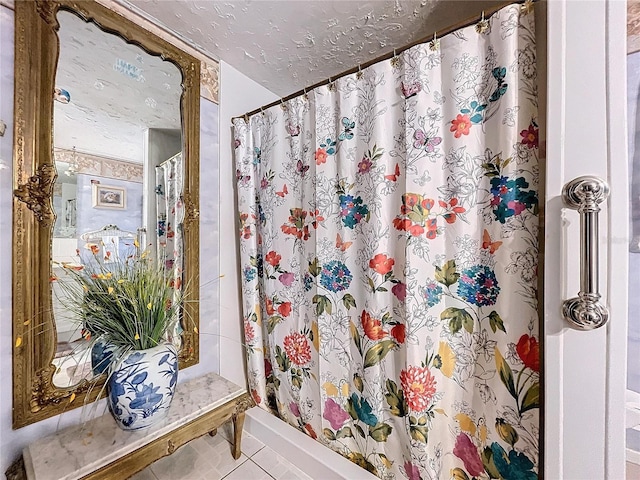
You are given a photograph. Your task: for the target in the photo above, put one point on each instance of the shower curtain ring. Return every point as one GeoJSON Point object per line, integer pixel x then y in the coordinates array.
{"type": "Point", "coordinates": [246, 118]}
{"type": "Point", "coordinates": [483, 25]}
{"type": "Point", "coordinates": [359, 72]}
{"type": "Point", "coordinates": [435, 43]}
{"type": "Point", "coordinates": [395, 60]}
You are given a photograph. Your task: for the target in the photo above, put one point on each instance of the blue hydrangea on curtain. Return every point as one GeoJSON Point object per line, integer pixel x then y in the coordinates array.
{"type": "Point", "coordinates": [389, 249]}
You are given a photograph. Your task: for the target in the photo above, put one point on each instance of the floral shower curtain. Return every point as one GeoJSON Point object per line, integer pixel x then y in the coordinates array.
{"type": "Point", "coordinates": [389, 244]}
{"type": "Point", "coordinates": [170, 211]}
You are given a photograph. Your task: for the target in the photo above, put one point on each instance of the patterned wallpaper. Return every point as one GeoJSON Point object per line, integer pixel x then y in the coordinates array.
{"type": "Point", "coordinates": [100, 166]}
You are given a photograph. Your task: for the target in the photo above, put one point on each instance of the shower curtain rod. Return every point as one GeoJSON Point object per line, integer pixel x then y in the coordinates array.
{"type": "Point", "coordinates": [164, 162]}
{"type": "Point", "coordinates": [465, 23]}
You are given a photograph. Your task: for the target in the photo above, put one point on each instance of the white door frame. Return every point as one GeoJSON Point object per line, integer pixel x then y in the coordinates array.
{"type": "Point", "coordinates": [585, 372]}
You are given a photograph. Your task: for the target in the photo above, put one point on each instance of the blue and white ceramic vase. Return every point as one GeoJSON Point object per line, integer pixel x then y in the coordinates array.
{"type": "Point", "coordinates": [101, 356]}
{"type": "Point", "coordinates": [141, 386]}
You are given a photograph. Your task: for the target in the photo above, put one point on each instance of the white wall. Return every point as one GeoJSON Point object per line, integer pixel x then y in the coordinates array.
{"type": "Point", "coordinates": [238, 95]}
{"type": "Point", "coordinates": [13, 441]}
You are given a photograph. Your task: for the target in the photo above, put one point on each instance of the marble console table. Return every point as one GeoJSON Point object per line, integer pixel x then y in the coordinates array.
{"type": "Point", "coordinates": [99, 449]}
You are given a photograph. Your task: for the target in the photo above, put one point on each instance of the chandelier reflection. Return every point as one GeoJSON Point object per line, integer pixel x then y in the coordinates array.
{"type": "Point", "coordinates": [74, 167]}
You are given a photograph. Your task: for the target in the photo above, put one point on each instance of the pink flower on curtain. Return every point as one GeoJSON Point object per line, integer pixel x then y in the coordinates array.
{"type": "Point", "coordinates": [293, 406]}
{"type": "Point", "coordinates": [400, 291]}
{"type": "Point", "coordinates": [297, 348]}
{"type": "Point", "coordinates": [412, 471]}
{"type": "Point", "coordinates": [249, 332]}
{"type": "Point", "coordinates": [419, 387]}
{"type": "Point", "coordinates": [460, 125]}
{"type": "Point", "coordinates": [287, 279]}
{"type": "Point", "coordinates": [466, 451]}
{"type": "Point", "coordinates": [321, 156]}
{"type": "Point", "coordinates": [365, 165]}
{"type": "Point", "coordinates": [335, 414]}
{"type": "Point", "coordinates": [530, 137]}
{"type": "Point", "coordinates": [381, 264]}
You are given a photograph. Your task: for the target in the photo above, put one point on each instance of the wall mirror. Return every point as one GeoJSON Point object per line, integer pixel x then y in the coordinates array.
{"type": "Point", "coordinates": [105, 156]}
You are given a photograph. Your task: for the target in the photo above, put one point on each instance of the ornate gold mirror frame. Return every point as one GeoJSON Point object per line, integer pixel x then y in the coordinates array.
{"type": "Point", "coordinates": [36, 54]}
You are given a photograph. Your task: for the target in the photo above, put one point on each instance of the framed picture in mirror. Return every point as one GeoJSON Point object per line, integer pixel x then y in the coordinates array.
{"type": "Point", "coordinates": [106, 196]}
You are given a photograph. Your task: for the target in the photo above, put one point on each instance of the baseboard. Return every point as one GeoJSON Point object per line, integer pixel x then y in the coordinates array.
{"type": "Point", "coordinates": [313, 458]}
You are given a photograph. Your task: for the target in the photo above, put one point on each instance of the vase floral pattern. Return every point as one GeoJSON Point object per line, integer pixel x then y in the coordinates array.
{"type": "Point", "coordinates": [141, 386]}
{"type": "Point", "coordinates": [101, 356]}
{"type": "Point", "coordinates": [388, 232]}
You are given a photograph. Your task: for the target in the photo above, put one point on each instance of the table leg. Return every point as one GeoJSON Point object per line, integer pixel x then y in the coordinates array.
{"type": "Point", "coordinates": [238, 422]}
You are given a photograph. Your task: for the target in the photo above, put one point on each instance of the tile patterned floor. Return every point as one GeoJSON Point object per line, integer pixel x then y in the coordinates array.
{"type": "Point", "coordinates": [209, 458]}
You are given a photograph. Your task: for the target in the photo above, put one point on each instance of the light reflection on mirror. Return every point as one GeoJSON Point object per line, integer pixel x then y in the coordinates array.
{"type": "Point", "coordinates": [116, 117]}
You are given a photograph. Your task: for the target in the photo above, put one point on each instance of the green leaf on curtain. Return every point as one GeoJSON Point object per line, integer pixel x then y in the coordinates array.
{"type": "Point", "coordinates": [395, 399]}
{"type": "Point", "coordinates": [419, 433]}
{"type": "Point", "coordinates": [531, 398]}
{"type": "Point", "coordinates": [344, 432]}
{"type": "Point", "coordinates": [351, 409]}
{"type": "Point", "coordinates": [376, 353]}
{"type": "Point", "coordinates": [328, 433]}
{"type": "Point", "coordinates": [314, 267]}
{"type": "Point", "coordinates": [296, 381]}
{"type": "Point", "coordinates": [323, 304]}
{"type": "Point", "coordinates": [488, 463]}
{"type": "Point", "coordinates": [506, 375]}
{"type": "Point", "coordinates": [357, 381]}
{"type": "Point", "coordinates": [458, 318]}
{"type": "Point", "coordinates": [490, 170]}
{"type": "Point", "coordinates": [371, 284]}
{"type": "Point", "coordinates": [496, 322]}
{"type": "Point", "coordinates": [348, 301]}
{"type": "Point", "coordinates": [283, 362]}
{"type": "Point", "coordinates": [360, 430]}
{"type": "Point", "coordinates": [272, 322]}
{"type": "Point", "coordinates": [380, 432]}
{"type": "Point", "coordinates": [356, 337]}
{"type": "Point", "coordinates": [447, 275]}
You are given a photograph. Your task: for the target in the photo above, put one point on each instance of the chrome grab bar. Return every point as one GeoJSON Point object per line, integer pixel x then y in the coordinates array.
{"type": "Point", "coordinates": [585, 195]}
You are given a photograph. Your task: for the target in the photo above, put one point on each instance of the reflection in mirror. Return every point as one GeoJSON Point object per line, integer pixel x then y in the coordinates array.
{"type": "Point", "coordinates": [91, 146]}
{"type": "Point", "coordinates": [117, 150]}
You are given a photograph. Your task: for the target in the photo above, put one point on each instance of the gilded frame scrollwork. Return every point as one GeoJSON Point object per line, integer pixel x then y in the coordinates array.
{"type": "Point", "coordinates": [36, 54]}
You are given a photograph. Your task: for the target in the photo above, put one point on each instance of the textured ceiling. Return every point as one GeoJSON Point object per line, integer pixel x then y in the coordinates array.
{"type": "Point", "coordinates": [288, 45]}
{"type": "Point", "coordinates": [117, 92]}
